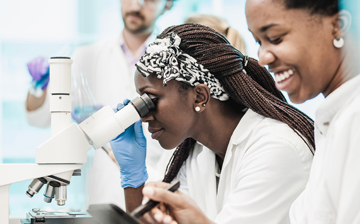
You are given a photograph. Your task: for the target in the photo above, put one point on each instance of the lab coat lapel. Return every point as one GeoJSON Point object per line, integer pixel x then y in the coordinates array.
{"type": "Point", "coordinates": [115, 75]}
{"type": "Point", "coordinates": [202, 173]}
{"type": "Point", "coordinates": [241, 132]}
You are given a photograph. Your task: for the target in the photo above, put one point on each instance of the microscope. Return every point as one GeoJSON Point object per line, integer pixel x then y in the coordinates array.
{"type": "Point", "coordinates": [62, 156]}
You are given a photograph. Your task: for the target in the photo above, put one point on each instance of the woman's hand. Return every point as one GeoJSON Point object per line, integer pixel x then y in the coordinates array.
{"type": "Point", "coordinates": [173, 208]}
{"type": "Point", "coordinates": [129, 149]}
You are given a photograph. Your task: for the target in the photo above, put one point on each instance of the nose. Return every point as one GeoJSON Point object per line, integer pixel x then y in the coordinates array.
{"type": "Point", "coordinates": [134, 5]}
{"type": "Point", "coordinates": [138, 2]}
{"type": "Point", "coordinates": [148, 118]}
{"type": "Point", "coordinates": [266, 57]}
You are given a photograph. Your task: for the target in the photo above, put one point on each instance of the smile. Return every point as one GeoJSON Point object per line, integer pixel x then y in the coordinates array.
{"type": "Point", "coordinates": [283, 75]}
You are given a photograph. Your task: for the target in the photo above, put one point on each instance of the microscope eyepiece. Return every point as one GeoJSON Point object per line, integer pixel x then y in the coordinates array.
{"type": "Point", "coordinates": [106, 124]}
{"type": "Point", "coordinates": [143, 105]}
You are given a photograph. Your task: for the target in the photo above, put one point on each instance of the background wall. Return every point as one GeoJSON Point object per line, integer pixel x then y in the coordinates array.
{"type": "Point", "coordinates": [56, 27]}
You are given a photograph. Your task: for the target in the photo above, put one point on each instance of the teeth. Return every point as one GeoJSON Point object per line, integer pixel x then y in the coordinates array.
{"type": "Point", "coordinates": [286, 74]}
{"type": "Point", "coordinates": [277, 78]}
{"type": "Point", "coordinates": [281, 76]}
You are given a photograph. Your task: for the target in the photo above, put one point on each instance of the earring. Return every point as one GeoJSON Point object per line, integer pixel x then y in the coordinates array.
{"type": "Point", "coordinates": [197, 108]}
{"type": "Point", "coordinates": [338, 42]}
{"type": "Point", "coordinates": [203, 104]}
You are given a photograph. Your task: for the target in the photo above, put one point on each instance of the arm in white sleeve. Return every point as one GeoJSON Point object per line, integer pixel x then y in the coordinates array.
{"type": "Point", "coordinates": [40, 117]}
{"type": "Point", "coordinates": [342, 177]}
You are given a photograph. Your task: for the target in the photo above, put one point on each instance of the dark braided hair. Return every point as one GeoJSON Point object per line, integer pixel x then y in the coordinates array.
{"type": "Point", "coordinates": [252, 87]}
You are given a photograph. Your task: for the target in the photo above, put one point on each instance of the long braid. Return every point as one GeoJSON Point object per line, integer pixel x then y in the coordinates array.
{"type": "Point", "coordinates": [253, 88]}
{"type": "Point", "coordinates": [179, 156]}
{"type": "Point", "coordinates": [246, 91]}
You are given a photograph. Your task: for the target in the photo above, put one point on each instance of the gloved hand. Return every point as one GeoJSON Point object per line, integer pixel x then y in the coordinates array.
{"type": "Point", "coordinates": [130, 152]}
{"type": "Point", "coordinates": [39, 71]}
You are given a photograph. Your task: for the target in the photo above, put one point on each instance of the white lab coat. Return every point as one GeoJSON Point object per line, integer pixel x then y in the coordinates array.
{"type": "Point", "coordinates": [265, 168]}
{"type": "Point", "coordinates": [111, 81]}
{"type": "Point", "coordinates": [333, 191]}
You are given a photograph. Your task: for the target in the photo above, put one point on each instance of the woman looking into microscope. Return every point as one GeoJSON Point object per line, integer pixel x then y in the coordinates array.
{"type": "Point", "coordinates": [243, 153]}
{"type": "Point", "coordinates": [316, 44]}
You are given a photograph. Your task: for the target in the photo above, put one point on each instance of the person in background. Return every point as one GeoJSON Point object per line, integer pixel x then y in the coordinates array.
{"type": "Point", "coordinates": [109, 67]}
{"type": "Point", "coordinates": [312, 47]}
{"type": "Point", "coordinates": [222, 26]}
{"type": "Point", "coordinates": [243, 154]}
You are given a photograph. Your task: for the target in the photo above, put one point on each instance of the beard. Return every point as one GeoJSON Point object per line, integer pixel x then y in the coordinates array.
{"type": "Point", "coordinates": [135, 27]}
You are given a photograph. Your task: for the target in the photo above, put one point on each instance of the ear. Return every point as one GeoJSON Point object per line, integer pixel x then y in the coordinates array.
{"type": "Point", "coordinates": [341, 23]}
{"type": "Point", "coordinates": [202, 97]}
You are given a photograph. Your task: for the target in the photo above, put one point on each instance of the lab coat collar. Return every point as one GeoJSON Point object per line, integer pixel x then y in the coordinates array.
{"type": "Point", "coordinates": [244, 127]}
{"type": "Point", "coordinates": [242, 131]}
{"type": "Point", "coordinates": [142, 48]}
{"type": "Point", "coordinates": [334, 102]}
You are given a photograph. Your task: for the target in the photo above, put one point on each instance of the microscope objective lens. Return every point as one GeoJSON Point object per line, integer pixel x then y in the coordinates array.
{"type": "Point", "coordinates": [49, 193]}
{"type": "Point", "coordinates": [35, 186]}
{"type": "Point", "coordinates": [61, 195]}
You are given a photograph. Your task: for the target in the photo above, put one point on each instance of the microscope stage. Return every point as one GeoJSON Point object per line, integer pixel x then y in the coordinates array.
{"type": "Point", "coordinates": [44, 217]}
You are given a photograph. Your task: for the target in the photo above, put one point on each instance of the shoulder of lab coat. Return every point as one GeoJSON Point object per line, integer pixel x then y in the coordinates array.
{"type": "Point", "coordinates": [106, 69]}
{"type": "Point", "coordinates": [333, 187]}
{"type": "Point", "coordinates": [265, 168]}
{"type": "Point", "coordinates": [84, 56]}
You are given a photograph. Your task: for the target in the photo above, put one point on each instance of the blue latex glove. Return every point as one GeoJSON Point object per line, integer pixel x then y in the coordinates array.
{"type": "Point", "coordinates": [130, 152]}
{"type": "Point", "coordinates": [39, 71]}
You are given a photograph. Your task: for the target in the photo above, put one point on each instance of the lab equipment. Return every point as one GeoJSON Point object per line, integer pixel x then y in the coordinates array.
{"type": "Point", "coordinates": [142, 209]}
{"type": "Point", "coordinates": [110, 214]}
{"type": "Point", "coordinates": [129, 149]}
{"type": "Point", "coordinates": [45, 217]}
{"type": "Point", "coordinates": [50, 191]}
{"type": "Point", "coordinates": [84, 103]}
{"type": "Point", "coordinates": [61, 157]}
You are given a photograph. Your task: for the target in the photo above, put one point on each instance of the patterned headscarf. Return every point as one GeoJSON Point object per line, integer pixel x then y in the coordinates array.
{"type": "Point", "coordinates": [164, 58]}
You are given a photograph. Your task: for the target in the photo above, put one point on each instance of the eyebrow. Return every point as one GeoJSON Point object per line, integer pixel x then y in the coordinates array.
{"type": "Point", "coordinates": [144, 87]}
{"type": "Point", "coordinates": [264, 28]}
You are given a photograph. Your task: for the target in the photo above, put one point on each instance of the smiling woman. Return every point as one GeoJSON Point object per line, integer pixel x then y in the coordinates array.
{"type": "Point", "coordinates": [237, 137]}
{"type": "Point", "coordinates": [306, 44]}
{"type": "Point", "coordinates": [299, 49]}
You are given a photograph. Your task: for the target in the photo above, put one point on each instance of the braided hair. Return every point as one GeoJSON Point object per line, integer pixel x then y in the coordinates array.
{"type": "Point", "coordinates": [252, 87]}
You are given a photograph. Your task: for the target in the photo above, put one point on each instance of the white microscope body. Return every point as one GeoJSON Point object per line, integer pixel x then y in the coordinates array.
{"type": "Point", "coordinates": [61, 157]}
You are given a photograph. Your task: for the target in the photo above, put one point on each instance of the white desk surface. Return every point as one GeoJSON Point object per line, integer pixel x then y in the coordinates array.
{"type": "Point", "coordinates": [15, 220]}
